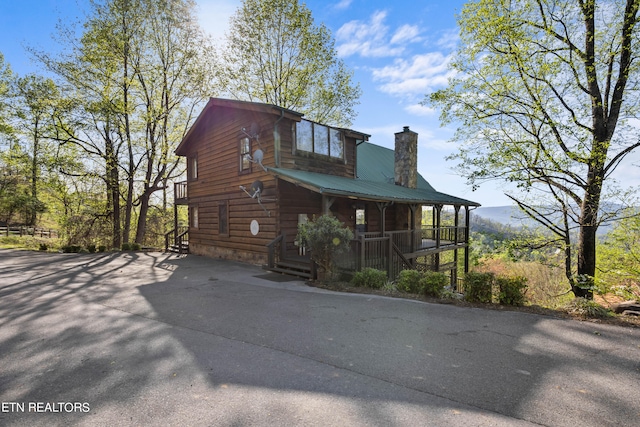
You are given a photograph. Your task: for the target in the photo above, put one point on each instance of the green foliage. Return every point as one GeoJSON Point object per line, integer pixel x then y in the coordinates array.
{"type": "Point", "coordinates": [91, 248]}
{"type": "Point", "coordinates": [276, 54]}
{"type": "Point", "coordinates": [326, 237]}
{"type": "Point", "coordinates": [433, 283]}
{"type": "Point", "coordinates": [587, 308]}
{"type": "Point", "coordinates": [130, 246]}
{"type": "Point", "coordinates": [370, 278]}
{"type": "Point", "coordinates": [619, 252]}
{"type": "Point", "coordinates": [477, 287]}
{"type": "Point", "coordinates": [71, 249]}
{"type": "Point", "coordinates": [43, 247]}
{"type": "Point", "coordinates": [511, 290]}
{"type": "Point", "coordinates": [528, 101]}
{"type": "Point", "coordinates": [102, 248]}
{"type": "Point", "coordinates": [409, 281]}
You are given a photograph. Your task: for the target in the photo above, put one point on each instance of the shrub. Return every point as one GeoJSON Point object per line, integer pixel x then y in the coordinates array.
{"type": "Point", "coordinates": [71, 249]}
{"type": "Point", "coordinates": [135, 246]}
{"type": "Point", "coordinates": [409, 281]}
{"type": "Point", "coordinates": [43, 247]}
{"type": "Point", "coordinates": [102, 248]}
{"type": "Point", "coordinates": [326, 238]}
{"type": "Point", "coordinates": [477, 287]}
{"type": "Point", "coordinates": [587, 308]}
{"type": "Point", "coordinates": [433, 283]}
{"type": "Point", "coordinates": [126, 246]}
{"type": "Point", "coordinates": [511, 290]}
{"type": "Point", "coordinates": [91, 248]}
{"type": "Point", "coordinates": [370, 278]}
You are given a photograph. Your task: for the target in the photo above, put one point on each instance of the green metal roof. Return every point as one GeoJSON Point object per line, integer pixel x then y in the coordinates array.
{"type": "Point", "coordinates": [363, 189]}
{"type": "Point", "coordinates": [376, 163]}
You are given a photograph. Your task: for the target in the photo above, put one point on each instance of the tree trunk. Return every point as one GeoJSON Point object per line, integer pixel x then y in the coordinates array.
{"type": "Point", "coordinates": [583, 287]}
{"type": "Point", "coordinates": [142, 217]}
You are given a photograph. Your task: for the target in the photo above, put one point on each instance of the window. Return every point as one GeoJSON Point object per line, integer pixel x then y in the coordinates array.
{"type": "Point", "coordinates": [361, 220]}
{"type": "Point", "coordinates": [245, 155]}
{"type": "Point", "coordinates": [193, 217]}
{"type": "Point", "coordinates": [192, 168]}
{"type": "Point", "coordinates": [223, 218]}
{"type": "Point", "coordinates": [316, 138]}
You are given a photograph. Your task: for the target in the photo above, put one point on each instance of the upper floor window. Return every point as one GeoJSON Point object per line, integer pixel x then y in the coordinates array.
{"type": "Point", "coordinates": [245, 155]}
{"type": "Point", "coordinates": [192, 168]}
{"type": "Point", "coordinates": [316, 138]}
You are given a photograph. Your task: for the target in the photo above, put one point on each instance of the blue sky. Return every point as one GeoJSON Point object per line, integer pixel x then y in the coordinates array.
{"type": "Point", "coordinates": [398, 51]}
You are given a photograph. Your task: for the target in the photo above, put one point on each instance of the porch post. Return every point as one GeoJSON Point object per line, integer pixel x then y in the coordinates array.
{"type": "Point", "coordinates": [454, 272]}
{"type": "Point", "coordinates": [466, 239]}
{"type": "Point", "coordinates": [438, 232]}
{"type": "Point", "coordinates": [382, 207]}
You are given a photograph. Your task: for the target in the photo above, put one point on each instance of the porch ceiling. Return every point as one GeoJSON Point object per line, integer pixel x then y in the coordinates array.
{"type": "Point", "coordinates": [362, 189]}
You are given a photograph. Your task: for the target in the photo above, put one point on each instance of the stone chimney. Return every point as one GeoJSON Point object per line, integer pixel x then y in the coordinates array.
{"type": "Point", "coordinates": [406, 153]}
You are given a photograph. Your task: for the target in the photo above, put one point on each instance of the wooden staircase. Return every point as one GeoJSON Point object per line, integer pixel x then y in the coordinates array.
{"type": "Point", "coordinates": [292, 267]}
{"type": "Point", "coordinates": [177, 241]}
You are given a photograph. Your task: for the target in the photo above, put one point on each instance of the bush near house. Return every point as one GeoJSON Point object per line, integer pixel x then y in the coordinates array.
{"type": "Point", "coordinates": [327, 238]}
{"type": "Point", "coordinates": [477, 287]}
{"type": "Point", "coordinates": [428, 283]}
{"type": "Point", "coordinates": [433, 283]}
{"type": "Point", "coordinates": [370, 278]}
{"type": "Point", "coordinates": [409, 281]}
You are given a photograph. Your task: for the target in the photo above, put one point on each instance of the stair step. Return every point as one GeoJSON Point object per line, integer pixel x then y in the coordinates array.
{"type": "Point", "coordinates": [291, 272]}
{"type": "Point", "coordinates": [294, 265]}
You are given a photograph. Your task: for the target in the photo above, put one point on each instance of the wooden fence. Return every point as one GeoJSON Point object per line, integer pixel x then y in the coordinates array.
{"type": "Point", "coordinates": [22, 230]}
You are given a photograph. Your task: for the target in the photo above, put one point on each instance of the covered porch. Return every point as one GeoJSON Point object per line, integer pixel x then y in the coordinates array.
{"type": "Point", "coordinates": [395, 228]}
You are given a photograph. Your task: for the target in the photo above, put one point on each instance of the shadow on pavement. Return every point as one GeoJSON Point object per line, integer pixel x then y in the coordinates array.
{"type": "Point", "coordinates": [149, 338]}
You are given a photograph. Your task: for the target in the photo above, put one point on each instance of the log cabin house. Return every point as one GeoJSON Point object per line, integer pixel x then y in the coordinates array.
{"type": "Point", "coordinates": [255, 171]}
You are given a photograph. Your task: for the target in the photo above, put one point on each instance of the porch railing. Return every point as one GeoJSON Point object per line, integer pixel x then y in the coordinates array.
{"type": "Point", "coordinates": [275, 251]}
{"type": "Point", "coordinates": [177, 239]}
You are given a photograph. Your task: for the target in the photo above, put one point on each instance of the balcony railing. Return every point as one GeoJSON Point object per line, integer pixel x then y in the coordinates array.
{"type": "Point", "coordinates": [180, 192]}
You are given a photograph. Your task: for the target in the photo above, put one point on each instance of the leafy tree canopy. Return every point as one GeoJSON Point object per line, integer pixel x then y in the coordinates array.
{"type": "Point", "coordinates": [545, 97]}
{"type": "Point", "coordinates": [276, 54]}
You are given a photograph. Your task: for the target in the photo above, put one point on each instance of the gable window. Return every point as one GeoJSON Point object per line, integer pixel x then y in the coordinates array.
{"type": "Point", "coordinates": [245, 155]}
{"type": "Point", "coordinates": [192, 168]}
{"type": "Point", "coordinates": [319, 139]}
{"type": "Point", "coordinates": [223, 218]}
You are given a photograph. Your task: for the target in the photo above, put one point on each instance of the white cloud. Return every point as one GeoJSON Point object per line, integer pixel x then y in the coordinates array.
{"type": "Point", "coordinates": [213, 15]}
{"type": "Point", "coordinates": [406, 33]}
{"type": "Point", "coordinates": [449, 39]}
{"type": "Point", "coordinates": [420, 110]}
{"type": "Point", "coordinates": [343, 4]}
{"type": "Point", "coordinates": [370, 39]}
{"type": "Point", "coordinates": [417, 76]}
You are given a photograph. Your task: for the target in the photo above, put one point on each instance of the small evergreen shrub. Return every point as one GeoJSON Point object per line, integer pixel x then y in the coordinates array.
{"type": "Point", "coordinates": [91, 248]}
{"type": "Point", "coordinates": [126, 246]}
{"type": "Point", "coordinates": [135, 246]}
{"type": "Point", "coordinates": [409, 281]}
{"type": "Point", "coordinates": [433, 283]}
{"type": "Point", "coordinates": [71, 249]}
{"type": "Point", "coordinates": [511, 290]}
{"type": "Point", "coordinates": [43, 247]}
{"type": "Point", "coordinates": [370, 278]}
{"type": "Point", "coordinates": [102, 248]}
{"type": "Point", "coordinates": [477, 287]}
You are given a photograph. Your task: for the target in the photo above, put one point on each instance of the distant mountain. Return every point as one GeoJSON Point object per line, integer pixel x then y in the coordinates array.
{"type": "Point", "coordinates": [513, 217]}
{"type": "Point", "coordinates": [507, 215]}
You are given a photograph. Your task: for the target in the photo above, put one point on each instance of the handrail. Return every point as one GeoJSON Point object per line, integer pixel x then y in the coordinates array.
{"type": "Point", "coordinates": [271, 253]}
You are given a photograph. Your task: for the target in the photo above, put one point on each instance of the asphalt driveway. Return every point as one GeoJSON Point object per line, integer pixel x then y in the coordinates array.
{"type": "Point", "coordinates": [157, 339]}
